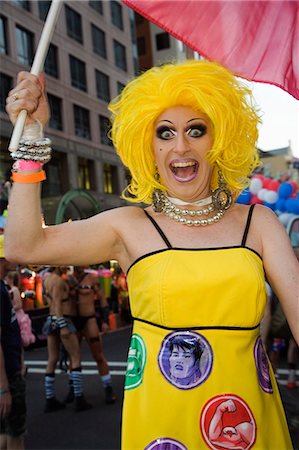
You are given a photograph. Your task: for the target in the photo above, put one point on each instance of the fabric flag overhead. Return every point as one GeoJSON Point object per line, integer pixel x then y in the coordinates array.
{"type": "Point", "coordinates": [256, 40]}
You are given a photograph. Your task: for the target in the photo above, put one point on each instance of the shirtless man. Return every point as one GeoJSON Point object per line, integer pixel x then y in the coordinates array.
{"type": "Point", "coordinates": [85, 289]}
{"type": "Point", "coordinates": [59, 328]}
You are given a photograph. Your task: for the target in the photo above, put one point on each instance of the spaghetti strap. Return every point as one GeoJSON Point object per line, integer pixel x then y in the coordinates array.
{"type": "Point", "coordinates": [158, 229]}
{"type": "Point", "coordinates": [247, 225]}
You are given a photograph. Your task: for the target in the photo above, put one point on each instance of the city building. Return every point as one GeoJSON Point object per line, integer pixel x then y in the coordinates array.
{"type": "Point", "coordinates": [92, 55]}
{"type": "Point", "coordinates": [156, 46]}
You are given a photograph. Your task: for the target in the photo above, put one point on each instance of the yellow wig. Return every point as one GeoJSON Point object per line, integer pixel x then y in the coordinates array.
{"type": "Point", "coordinates": [204, 86]}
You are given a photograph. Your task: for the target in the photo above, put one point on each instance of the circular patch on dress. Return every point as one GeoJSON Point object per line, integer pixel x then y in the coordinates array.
{"type": "Point", "coordinates": [227, 422]}
{"type": "Point", "coordinates": [136, 362]}
{"type": "Point", "coordinates": [185, 359]}
{"type": "Point", "coordinates": [262, 367]}
{"type": "Point", "coordinates": [165, 444]}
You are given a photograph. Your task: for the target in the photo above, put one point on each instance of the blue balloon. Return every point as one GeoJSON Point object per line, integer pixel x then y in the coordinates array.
{"type": "Point", "coordinates": [281, 205]}
{"type": "Point", "coordinates": [244, 198]}
{"type": "Point", "coordinates": [292, 205]}
{"type": "Point", "coordinates": [270, 205]}
{"type": "Point", "coordinates": [285, 190]}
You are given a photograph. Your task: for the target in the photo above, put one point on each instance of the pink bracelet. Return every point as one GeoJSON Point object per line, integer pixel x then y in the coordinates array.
{"type": "Point", "coordinates": [21, 164]}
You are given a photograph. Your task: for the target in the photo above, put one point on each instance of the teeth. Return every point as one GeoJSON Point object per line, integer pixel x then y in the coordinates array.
{"type": "Point", "coordinates": [183, 164]}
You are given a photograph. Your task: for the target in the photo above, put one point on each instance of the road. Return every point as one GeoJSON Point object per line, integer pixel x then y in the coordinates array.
{"type": "Point", "coordinates": [99, 427]}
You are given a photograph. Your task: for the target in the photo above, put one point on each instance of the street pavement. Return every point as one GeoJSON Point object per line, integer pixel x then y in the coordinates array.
{"type": "Point", "coordinates": [99, 427]}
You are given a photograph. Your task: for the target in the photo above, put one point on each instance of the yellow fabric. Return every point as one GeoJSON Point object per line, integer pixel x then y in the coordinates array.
{"type": "Point", "coordinates": [179, 288]}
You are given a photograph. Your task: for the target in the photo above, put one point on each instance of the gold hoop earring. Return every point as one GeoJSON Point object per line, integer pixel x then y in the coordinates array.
{"type": "Point", "coordinates": [221, 197]}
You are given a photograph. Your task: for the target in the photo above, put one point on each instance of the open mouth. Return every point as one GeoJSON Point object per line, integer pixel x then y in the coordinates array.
{"type": "Point", "coordinates": [184, 170]}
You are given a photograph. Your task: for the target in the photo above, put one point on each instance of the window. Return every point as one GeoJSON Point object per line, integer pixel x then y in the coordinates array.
{"type": "Point", "coordinates": [82, 127]}
{"type": "Point", "coordinates": [97, 6]}
{"type": "Point", "coordinates": [104, 129]}
{"type": "Point", "coordinates": [103, 88]}
{"type": "Point", "coordinates": [78, 73]}
{"type": "Point", "coordinates": [110, 179]}
{"type": "Point", "coordinates": [73, 24]}
{"type": "Point", "coordinates": [57, 182]}
{"type": "Point", "coordinates": [120, 58]}
{"type": "Point", "coordinates": [116, 14]}
{"type": "Point", "coordinates": [86, 174]}
{"type": "Point", "coordinates": [25, 4]}
{"type": "Point", "coordinates": [51, 63]}
{"type": "Point", "coordinates": [24, 46]}
{"type": "Point", "coordinates": [120, 87]}
{"type": "Point", "coordinates": [98, 41]}
{"type": "Point", "coordinates": [141, 46]}
{"type": "Point", "coordinates": [3, 41]}
{"type": "Point", "coordinates": [138, 19]}
{"type": "Point", "coordinates": [162, 41]}
{"type": "Point", "coordinates": [55, 104]}
{"type": "Point", "coordinates": [43, 9]}
{"type": "Point", "coordinates": [5, 87]}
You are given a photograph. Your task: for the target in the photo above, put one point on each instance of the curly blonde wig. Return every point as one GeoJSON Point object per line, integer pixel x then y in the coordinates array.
{"type": "Point", "coordinates": [204, 86]}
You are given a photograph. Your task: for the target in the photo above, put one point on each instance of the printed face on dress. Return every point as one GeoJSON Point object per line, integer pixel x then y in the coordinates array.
{"type": "Point", "coordinates": [182, 140]}
{"type": "Point", "coordinates": [182, 361]}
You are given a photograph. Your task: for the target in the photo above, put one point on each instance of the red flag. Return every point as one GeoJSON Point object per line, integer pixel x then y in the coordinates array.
{"type": "Point", "coordinates": [256, 40]}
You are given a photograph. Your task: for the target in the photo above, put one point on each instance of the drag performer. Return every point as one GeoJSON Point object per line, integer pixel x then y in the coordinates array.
{"type": "Point", "coordinates": [195, 260]}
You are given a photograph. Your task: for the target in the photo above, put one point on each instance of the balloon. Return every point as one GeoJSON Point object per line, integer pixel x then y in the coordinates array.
{"type": "Point", "coordinates": [271, 197]}
{"type": "Point", "coordinates": [294, 184]}
{"type": "Point", "coordinates": [270, 205]}
{"type": "Point", "coordinates": [255, 185]}
{"type": "Point", "coordinates": [284, 218]}
{"type": "Point", "coordinates": [292, 205]}
{"type": "Point", "coordinates": [266, 182]}
{"type": "Point", "coordinates": [273, 185]}
{"type": "Point", "coordinates": [261, 194]}
{"type": "Point", "coordinates": [255, 200]}
{"type": "Point", "coordinates": [285, 190]}
{"type": "Point", "coordinates": [244, 198]}
{"type": "Point", "coordinates": [281, 205]}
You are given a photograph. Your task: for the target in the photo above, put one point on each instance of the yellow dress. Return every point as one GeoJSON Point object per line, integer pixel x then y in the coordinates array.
{"type": "Point", "coordinates": [197, 375]}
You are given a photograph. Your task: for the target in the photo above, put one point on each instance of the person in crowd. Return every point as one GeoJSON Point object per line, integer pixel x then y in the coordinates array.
{"type": "Point", "coordinates": [59, 329]}
{"type": "Point", "coordinates": [12, 382]}
{"type": "Point", "coordinates": [24, 321]}
{"type": "Point", "coordinates": [85, 290]}
{"type": "Point", "coordinates": [194, 258]}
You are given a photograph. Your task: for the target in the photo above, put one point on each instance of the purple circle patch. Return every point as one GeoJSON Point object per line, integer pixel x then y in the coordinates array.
{"type": "Point", "coordinates": [165, 444]}
{"type": "Point", "coordinates": [262, 367]}
{"type": "Point", "coordinates": [185, 359]}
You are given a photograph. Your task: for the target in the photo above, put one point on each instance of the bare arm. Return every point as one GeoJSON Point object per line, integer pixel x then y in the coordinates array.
{"type": "Point", "coordinates": [76, 243]}
{"type": "Point", "coordinates": [280, 264]}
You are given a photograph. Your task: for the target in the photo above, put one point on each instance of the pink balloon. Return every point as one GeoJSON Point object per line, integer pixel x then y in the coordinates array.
{"type": "Point", "coordinates": [273, 185]}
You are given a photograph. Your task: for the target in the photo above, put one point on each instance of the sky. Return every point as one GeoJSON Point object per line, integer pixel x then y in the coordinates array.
{"type": "Point", "coordinates": [280, 117]}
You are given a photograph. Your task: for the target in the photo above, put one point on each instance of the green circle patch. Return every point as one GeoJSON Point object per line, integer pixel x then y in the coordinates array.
{"type": "Point", "coordinates": [136, 362]}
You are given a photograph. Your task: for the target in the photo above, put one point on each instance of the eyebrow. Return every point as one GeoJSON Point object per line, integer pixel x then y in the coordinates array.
{"type": "Point", "coordinates": [169, 121]}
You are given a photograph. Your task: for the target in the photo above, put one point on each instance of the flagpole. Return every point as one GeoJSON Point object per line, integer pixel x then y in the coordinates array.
{"type": "Point", "coordinates": [37, 66]}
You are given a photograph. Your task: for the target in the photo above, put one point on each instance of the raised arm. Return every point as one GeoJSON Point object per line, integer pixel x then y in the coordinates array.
{"type": "Point", "coordinates": [281, 265]}
{"type": "Point", "coordinates": [76, 243]}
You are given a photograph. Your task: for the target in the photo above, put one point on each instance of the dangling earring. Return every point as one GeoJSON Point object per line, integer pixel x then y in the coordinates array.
{"type": "Point", "coordinates": [157, 203]}
{"type": "Point", "coordinates": [221, 197]}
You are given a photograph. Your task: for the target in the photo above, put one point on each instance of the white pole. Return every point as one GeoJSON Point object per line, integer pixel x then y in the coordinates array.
{"type": "Point", "coordinates": [37, 66]}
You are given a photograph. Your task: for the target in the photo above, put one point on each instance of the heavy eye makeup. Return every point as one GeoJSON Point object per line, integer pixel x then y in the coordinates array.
{"type": "Point", "coordinates": [165, 132]}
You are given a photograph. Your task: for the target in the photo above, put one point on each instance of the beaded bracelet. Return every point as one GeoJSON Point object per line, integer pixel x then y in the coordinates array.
{"type": "Point", "coordinates": [27, 178]}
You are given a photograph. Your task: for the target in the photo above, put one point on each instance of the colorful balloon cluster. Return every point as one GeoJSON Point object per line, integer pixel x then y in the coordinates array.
{"type": "Point", "coordinates": [283, 198]}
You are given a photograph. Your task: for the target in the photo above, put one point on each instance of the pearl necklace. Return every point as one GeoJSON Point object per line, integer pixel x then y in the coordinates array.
{"type": "Point", "coordinates": [171, 210]}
